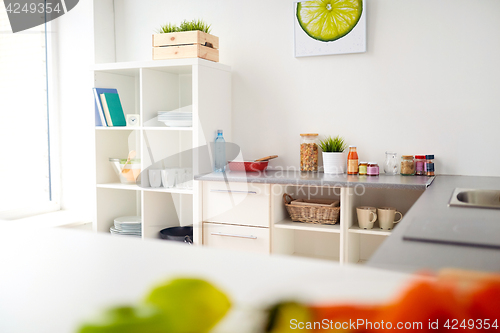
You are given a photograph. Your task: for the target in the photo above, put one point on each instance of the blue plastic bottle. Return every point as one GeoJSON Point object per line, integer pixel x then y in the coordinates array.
{"type": "Point", "coordinates": [220, 152]}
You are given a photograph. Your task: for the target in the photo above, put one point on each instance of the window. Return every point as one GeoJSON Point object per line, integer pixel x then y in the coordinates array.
{"type": "Point", "coordinates": [25, 163]}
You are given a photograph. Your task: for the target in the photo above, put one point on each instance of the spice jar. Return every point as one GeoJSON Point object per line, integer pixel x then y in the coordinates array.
{"type": "Point", "coordinates": [372, 169]}
{"type": "Point", "coordinates": [429, 165]}
{"type": "Point", "coordinates": [407, 165]}
{"type": "Point", "coordinates": [419, 165]}
{"type": "Point", "coordinates": [363, 168]}
{"type": "Point", "coordinates": [309, 152]}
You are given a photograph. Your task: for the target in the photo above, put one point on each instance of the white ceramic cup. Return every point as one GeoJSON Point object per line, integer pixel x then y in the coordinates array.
{"type": "Point", "coordinates": [366, 217]}
{"type": "Point", "coordinates": [386, 216]}
{"type": "Point", "coordinates": [154, 178]}
{"type": "Point", "coordinates": [168, 177]}
{"type": "Point", "coordinates": [180, 178]}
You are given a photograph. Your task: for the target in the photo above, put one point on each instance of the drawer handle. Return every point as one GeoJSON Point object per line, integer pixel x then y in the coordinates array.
{"type": "Point", "coordinates": [229, 191]}
{"type": "Point", "coordinates": [232, 235]}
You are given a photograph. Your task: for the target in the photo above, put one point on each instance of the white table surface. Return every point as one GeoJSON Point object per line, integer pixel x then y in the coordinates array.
{"type": "Point", "coordinates": [52, 280]}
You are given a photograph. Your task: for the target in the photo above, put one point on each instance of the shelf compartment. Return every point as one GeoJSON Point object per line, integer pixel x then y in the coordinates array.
{"type": "Point", "coordinates": [163, 91]}
{"type": "Point", "coordinates": [127, 86]}
{"type": "Point", "coordinates": [113, 203]}
{"type": "Point", "coordinates": [374, 231]}
{"type": "Point", "coordinates": [289, 224]}
{"type": "Point", "coordinates": [113, 144]}
{"type": "Point", "coordinates": [163, 210]}
{"type": "Point", "coordinates": [362, 246]}
{"type": "Point", "coordinates": [306, 243]}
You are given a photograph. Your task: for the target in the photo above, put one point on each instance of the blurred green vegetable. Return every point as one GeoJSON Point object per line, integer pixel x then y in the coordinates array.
{"type": "Point", "coordinates": [191, 305]}
{"type": "Point", "coordinates": [180, 306]}
{"type": "Point", "coordinates": [128, 319]}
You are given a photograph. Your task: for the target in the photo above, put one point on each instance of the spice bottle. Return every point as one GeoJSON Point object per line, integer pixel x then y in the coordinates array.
{"type": "Point", "coordinates": [429, 165]}
{"type": "Point", "coordinates": [407, 165]}
{"type": "Point", "coordinates": [363, 168]}
{"type": "Point", "coordinates": [309, 152]}
{"type": "Point", "coordinates": [352, 161]}
{"type": "Point", "coordinates": [419, 165]}
{"type": "Point", "coordinates": [372, 169]}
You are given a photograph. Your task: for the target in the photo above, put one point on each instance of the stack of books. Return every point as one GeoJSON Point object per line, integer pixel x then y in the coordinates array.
{"type": "Point", "coordinates": [108, 108]}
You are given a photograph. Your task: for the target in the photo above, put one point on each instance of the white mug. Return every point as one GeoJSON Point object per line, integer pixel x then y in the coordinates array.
{"type": "Point", "coordinates": [180, 178]}
{"type": "Point", "coordinates": [155, 178]}
{"type": "Point", "coordinates": [386, 217]}
{"type": "Point", "coordinates": [366, 217]}
{"type": "Point", "coordinates": [168, 177]}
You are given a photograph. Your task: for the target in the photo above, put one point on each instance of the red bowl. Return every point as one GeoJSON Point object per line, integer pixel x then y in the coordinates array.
{"type": "Point", "coordinates": [248, 166]}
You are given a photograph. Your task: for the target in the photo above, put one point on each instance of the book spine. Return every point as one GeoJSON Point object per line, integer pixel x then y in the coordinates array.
{"type": "Point", "coordinates": [99, 111]}
{"type": "Point", "coordinates": [106, 110]}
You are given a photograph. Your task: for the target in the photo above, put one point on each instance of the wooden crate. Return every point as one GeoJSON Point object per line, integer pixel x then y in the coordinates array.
{"type": "Point", "coordinates": [187, 44]}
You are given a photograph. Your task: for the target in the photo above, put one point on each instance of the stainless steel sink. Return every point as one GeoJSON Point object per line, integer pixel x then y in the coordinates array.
{"type": "Point", "coordinates": [464, 197]}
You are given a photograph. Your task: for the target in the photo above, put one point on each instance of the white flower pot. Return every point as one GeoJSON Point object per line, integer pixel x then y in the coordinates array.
{"type": "Point", "coordinates": [334, 163]}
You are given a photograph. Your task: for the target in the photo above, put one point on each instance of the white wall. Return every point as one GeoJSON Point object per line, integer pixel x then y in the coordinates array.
{"type": "Point", "coordinates": [74, 59]}
{"type": "Point", "coordinates": [429, 82]}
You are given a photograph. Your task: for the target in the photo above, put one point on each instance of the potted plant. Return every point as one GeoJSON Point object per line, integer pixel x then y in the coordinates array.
{"type": "Point", "coordinates": [334, 161]}
{"type": "Point", "coordinates": [191, 39]}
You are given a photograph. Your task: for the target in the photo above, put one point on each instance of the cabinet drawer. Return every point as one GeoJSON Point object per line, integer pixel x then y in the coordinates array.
{"type": "Point", "coordinates": [236, 203]}
{"type": "Point", "coordinates": [235, 237]}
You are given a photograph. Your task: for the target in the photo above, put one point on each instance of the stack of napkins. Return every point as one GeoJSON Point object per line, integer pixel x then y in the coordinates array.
{"type": "Point", "coordinates": [182, 117]}
{"type": "Point", "coordinates": [127, 226]}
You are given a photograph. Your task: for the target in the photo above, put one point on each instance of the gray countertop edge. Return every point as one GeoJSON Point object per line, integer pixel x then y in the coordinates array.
{"type": "Point", "coordinates": [317, 179]}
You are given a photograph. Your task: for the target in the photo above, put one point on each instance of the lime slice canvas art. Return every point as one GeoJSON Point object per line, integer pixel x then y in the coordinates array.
{"type": "Point", "coordinates": [324, 27]}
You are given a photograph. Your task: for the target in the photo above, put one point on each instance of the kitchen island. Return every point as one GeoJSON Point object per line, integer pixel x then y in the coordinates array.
{"type": "Point", "coordinates": [53, 280]}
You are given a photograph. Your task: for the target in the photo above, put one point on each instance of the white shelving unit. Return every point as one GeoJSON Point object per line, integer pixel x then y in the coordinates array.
{"type": "Point", "coordinates": [145, 88]}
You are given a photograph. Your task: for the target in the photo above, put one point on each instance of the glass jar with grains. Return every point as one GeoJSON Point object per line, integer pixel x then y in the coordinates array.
{"type": "Point", "coordinates": [407, 165]}
{"type": "Point", "coordinates": [309, 152]}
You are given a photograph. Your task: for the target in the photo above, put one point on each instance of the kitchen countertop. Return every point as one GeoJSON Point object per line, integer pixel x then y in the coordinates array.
{"type": "Point", "coordinates": [320, 179]}
{"type": "Point", "coordinates": [397, 253]}
{"type": "Point", "coordinates": [52, 280]}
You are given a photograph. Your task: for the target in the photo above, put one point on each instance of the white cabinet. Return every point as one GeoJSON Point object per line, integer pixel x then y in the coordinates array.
{"type": "Point", "coordinates": [235, 237]}
{"type": "Point", "coordinates": [237, 203]}
{"type": "Point", "coordinates": [145, 88]}
{"type": "Point", "coordinates": [237, 216]}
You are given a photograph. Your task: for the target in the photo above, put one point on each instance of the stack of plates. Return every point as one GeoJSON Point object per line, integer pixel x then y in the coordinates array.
{"type": "Point", "coordinates": [127, 226]}
{"type": "Point", "coordinates": [182, 117]}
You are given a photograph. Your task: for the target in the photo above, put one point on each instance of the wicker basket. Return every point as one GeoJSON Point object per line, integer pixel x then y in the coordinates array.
{"type": "Point", "coordinates": [312, 211]}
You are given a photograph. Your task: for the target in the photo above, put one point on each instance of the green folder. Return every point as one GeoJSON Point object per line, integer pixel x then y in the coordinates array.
{"type": "Point", "coordinates": [115, 109]}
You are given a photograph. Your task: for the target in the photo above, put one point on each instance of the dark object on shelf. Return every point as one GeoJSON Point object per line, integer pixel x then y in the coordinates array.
{"type": "Point", "coordinates": [178, 234]}
{"type": "Point", "coordinates": [318, 211]}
